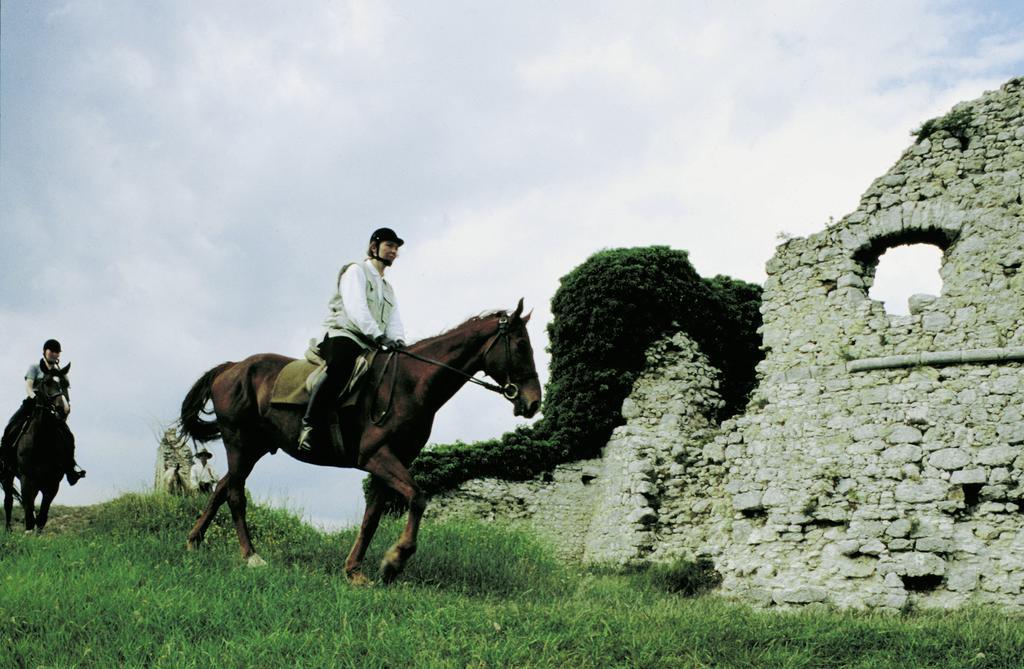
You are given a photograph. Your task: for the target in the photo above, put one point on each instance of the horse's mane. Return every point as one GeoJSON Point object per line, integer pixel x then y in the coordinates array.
{"type": "Point", "coordinates": [472, 320]}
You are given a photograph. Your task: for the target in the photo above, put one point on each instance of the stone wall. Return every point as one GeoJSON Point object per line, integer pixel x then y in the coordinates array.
{"type": "Point", "coordinates": [880, 461]}
{"type": "Point", "coordinates": [609, 509]}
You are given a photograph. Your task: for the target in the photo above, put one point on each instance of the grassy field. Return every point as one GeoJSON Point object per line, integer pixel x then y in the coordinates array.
{"type": "Point", "coordinates": [116, 588]}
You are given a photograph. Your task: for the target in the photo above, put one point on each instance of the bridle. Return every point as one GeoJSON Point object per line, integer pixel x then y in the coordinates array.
{"type": "Point", "coordinates": [509, 390]}
{"type": "Point", "coordinates": [47, 400]}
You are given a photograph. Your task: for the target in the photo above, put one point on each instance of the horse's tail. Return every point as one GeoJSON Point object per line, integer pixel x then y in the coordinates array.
{"type": "Point", "coordinates": [8, 480]}
{"type": "Point", "coordinates": [192, 425]}
{"type": "Point", "coordinates": [8, 461]}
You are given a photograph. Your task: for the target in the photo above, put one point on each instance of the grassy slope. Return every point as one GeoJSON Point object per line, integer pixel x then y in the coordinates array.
{"type": "Point", "coordinates": [119, 590]}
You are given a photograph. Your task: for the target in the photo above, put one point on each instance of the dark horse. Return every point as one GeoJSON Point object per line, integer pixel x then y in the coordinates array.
{"type": "Point", "coordinates": [383, 433]}
{"type": "Point", "coordinates": [40, 455]}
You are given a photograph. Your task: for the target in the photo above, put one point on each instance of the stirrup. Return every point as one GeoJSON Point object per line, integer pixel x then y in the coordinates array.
{"type": "Point", "coordinates": [306, 438]}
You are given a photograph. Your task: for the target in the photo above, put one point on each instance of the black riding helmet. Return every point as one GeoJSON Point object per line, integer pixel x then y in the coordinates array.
{"type": "Point", "coordinates": [52, 345]}
{"type": "Point", "coordinates": [386, 235]}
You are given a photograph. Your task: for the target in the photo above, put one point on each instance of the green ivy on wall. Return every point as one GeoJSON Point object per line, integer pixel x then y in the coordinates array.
{"type": "Point", "coordinates": [606, 313]}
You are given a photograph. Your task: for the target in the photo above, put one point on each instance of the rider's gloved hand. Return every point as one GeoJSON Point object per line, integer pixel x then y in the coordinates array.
{"type": "Point", "coordinates": [385, 343]}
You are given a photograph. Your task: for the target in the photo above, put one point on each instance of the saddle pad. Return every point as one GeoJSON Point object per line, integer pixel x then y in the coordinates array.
{"type": "Point", "coordinates": [290, 386]}
{"type": "Point", "coordinates": [295, 380]}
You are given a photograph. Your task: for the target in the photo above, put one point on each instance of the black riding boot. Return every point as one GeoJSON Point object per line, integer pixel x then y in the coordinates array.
{"type": "Point", "coordinates": [75, 473]}
{"type": "Point", "coordinates": [321, 398]}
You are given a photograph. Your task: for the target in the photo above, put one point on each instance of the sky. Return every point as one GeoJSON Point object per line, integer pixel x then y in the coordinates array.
{"type": "Point", "coordinates": [181, 181]}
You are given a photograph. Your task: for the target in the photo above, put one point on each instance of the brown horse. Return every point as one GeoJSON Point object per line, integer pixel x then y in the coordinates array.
{"type": "Point", "coordinates": [382, 434]}
{"type": "Point", "coordinates": [40, 455]}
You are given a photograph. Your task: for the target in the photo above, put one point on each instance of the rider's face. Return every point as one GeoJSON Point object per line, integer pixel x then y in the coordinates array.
{"type": "Point", "coordinates": [51, 357]}
{"type": "Point", "coordinates": [388, 251]}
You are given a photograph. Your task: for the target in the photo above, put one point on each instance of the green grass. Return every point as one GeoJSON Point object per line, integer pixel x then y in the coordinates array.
{"type": "Point", "coordinates": [122, 591]}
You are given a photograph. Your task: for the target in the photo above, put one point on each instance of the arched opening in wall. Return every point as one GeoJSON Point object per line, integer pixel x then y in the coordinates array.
{"type": "Point", "coordinates": [906, 270]}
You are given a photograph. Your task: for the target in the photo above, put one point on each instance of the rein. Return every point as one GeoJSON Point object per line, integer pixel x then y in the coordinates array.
{"type": "Point", "coordinates": [509, 390]}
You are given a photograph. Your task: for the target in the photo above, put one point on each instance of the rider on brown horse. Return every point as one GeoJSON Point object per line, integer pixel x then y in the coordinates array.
{"type": "Point", "coordinates": [363, 314]}
{"type": "Point", "coordinates": [50, 362]}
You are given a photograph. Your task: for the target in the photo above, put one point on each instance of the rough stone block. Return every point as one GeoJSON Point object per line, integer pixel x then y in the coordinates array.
{"type": "Point", "coordinates": [857, 567]}
{"type": "Point", "coordinates": [734, 451]}
{"type": "Point", "coordinates": [848, 546]}
{"type": "Point", "coordinates": [974, 475]}
{"type": "Point", "coordinates": [918, 302]}
{"type": "Point", "coordinates": [935, 322]}
{"type": "Point", "coordinates": [1006, 385]}
{"type": "Point", "coordinates": [902, 454]}
{"type": "Point", "coordinates": [713, 452]}
{"type": "Point", "coordinates": [898, 528]}
{"type": "Point", "coordinates": [998, 455]}
{"type": "Point", "coordinates": [905, 434]}
{"type": "Point", "coordinates": [774, 496]}
{"type": "Point", "coordinates": [640, 467]}
{"type": "Point", "coordinates": [747, 501]}
{"type": "Point", "coordinates": [963, 579]}
{"type": "Point", "coordinates": [935, 545]}
{"type": "Point", "coordinates": [949, 458]}
{"type": "Point", "coordinates": [921, 564]}
{"type": "Point", "coordinates": [994, 493]}
{"type": "Point", "coordinates": [645, 488]}
{"type": "Point", "coordinates": [929, 490]}
{"type": "Point", "coordinates": [873, 547]}
{"type": "Point", "coordinates": [802, 595]}
{"type": "Point", "coordinates": [946, 170]}
{"type": "Point", "coordinates": [643, 516]}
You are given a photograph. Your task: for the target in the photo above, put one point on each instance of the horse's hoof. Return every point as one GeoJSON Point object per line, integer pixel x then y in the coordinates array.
{"type": "Point", "coordinates": [358, 579]}
{"type": "Point", "coordinates": [389, 571]}
{"type": "Point", "coordinates": [255, 561]}
{"type": "Point", "coordinates": [192, 544]}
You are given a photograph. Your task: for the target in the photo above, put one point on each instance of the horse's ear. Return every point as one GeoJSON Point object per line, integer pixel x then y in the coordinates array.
{"type": "Point", "coordinates": [526, 318]}
{"type": "Point", "coordinates": [65, 370]}
{"type": "Point", "coordinates": [519, 310]}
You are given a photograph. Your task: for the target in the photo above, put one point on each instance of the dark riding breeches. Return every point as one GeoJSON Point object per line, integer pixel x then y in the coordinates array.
{"type": "Point", "coordinates": [340, 354]}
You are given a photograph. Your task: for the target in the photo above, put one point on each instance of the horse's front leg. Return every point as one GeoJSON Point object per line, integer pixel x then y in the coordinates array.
{"type": "Point", "coordinates": [8, 485]}
{"type": "Point", "coordinates": [217, 497]}
{"type": "Point", "coordinates": [28, 503]}
{"type": "Point", "coordinates": [371, 518]}
{"type": "Point", "coordinates": [49, 492]}
{"type": "Point", "coordinates": [394, 474]}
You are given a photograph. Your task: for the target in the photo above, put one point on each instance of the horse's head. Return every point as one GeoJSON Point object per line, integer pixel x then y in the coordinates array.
{"type": "Point", "coordinates": [509, 361]}
{"type": "Point", "coordinates": [52, 390]}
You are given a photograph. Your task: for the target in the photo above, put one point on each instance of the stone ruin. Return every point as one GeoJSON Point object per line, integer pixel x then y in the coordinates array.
{"type": "Point", "coordinates": [174, 461]}
{"type": "Point", "coordinates": [880, 462]}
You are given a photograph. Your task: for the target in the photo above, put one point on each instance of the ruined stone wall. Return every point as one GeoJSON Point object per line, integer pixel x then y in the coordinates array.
{"type": "Point", "coordinates": [880, 462]}
{"type": "Point", "coordinates": [172, 452]}
{"type": "Point", "coordinates": [624, 506]}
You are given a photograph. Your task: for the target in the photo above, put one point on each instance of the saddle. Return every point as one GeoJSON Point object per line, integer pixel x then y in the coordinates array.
{"type": "Point", "coordinates": [297, 379]}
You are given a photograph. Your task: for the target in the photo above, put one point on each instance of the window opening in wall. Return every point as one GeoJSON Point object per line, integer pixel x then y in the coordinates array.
{"type": "Point", "coordinates": [906, 270]}
{"type": "Point", "coordinates": [972, 493]}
